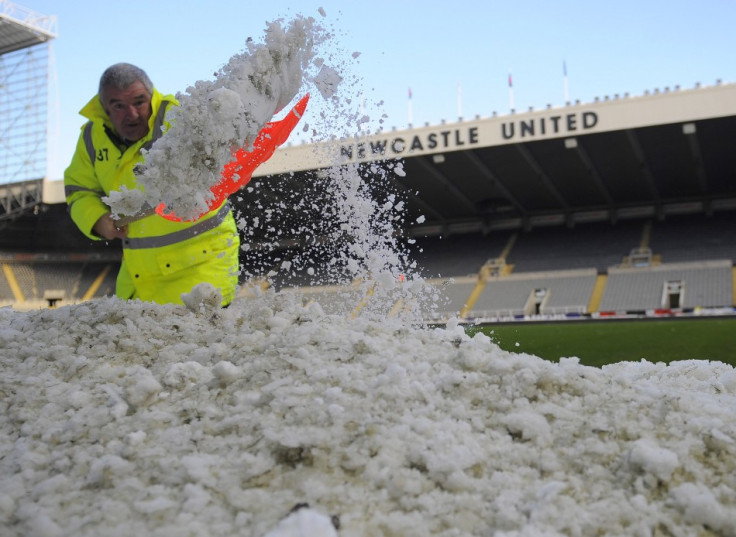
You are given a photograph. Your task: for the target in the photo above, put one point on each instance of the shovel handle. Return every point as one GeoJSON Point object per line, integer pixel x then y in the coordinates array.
{"type": "Point", "coordinates": [125, 220]}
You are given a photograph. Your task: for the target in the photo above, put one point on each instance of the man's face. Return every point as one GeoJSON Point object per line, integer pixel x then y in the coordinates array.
{"type": "Point", "coordinates": [129, 110]}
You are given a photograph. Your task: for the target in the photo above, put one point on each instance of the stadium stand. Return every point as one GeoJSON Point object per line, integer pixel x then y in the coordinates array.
{"type": "Point", "coordinates": [700, 284]}
{"type": "Point", "coordinates": [553, 271]}
{"type": "Point", "coordinates": [6, 293]}
{"type": "Point", "coordinates": [461, 265]}
{"type": "Point", "coordinates": [456, 292]}
{"type": "Point", "coordinates": [27, 282]}
{"type": "Point", "coordinates": [535, 293]}
{"type": "Point", "coordinates": [55, 280]}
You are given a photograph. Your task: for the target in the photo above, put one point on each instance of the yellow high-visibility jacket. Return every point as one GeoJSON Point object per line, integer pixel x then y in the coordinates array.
{"type": "Point", "coordinates": [161, 259]}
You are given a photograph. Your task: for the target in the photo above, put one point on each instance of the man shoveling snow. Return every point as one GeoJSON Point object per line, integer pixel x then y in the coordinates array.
{"type": "Point", "coordinates": [161, 259]}
{"type": "Point", "coordinates": [123, 166]}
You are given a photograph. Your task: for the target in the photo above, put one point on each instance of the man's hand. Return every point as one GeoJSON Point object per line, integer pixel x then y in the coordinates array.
{"type": "Point", "coordinates": [106, 228]}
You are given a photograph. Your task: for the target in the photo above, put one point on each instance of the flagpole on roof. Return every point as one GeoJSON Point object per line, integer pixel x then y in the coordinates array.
{"type": "Point", "coordinates": [511, 92]}
{"type": "Point", "coordinates": [564, 75]}
{"type": "Point", "coordinates": [411, 119]}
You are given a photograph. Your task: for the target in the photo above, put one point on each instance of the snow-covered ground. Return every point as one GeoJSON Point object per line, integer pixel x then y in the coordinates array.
{"type": "Point", "coordinates": [129, 419]}
{"type": "Point", "coordinates": [135, 419]}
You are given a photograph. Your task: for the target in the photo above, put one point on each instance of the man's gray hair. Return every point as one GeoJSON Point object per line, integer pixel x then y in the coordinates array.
{"type": "Point", "coordinates": [122, 75]}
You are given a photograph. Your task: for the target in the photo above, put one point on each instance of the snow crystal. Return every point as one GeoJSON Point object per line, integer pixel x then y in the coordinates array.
{"type": "Point", "coordinates": [226, 372]}
{"type": "Point", "coordinates": [203, 298]}
{"type": "Point", "coordinates": [125, 201]}
{"type": "Point", "coordinates": [327, 81]}
{"type": "Point", "coordinates": [304, 522]}
{"type": "Point", "coordinates": [700, 507]}
{"type": "Point", "coordinates": [658, 461]}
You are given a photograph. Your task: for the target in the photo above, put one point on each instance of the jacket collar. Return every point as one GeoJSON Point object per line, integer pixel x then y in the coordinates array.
{"type": "Point", "coordinates": [94, 111]}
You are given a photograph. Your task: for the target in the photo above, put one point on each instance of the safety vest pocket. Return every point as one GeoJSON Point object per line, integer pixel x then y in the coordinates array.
{"type": "Point", "coordinates": [176, 259]}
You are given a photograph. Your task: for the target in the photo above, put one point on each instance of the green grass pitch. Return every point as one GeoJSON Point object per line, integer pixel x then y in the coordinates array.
{"type": "Point", "coordinates": [600, 342]}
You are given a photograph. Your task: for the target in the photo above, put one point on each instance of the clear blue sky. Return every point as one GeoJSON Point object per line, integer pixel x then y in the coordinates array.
{"type": "Point", "coordinates": [429, 46]}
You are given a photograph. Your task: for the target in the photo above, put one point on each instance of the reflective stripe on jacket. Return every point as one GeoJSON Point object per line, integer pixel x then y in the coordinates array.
{"type": "Point", "coordinates": [161, 258]}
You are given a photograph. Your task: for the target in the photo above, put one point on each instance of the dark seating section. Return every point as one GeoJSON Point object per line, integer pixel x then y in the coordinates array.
{"type": "Point", "coordinates": [695, 237]}
{"type": "Point", "coordinates": [293, 267]}
{"type": "Point", "coordinates": [457, 255]}
{"type": "Point", "coordinates": [595, 245]}
{"type": "Point", "coordinates": [56, 277]}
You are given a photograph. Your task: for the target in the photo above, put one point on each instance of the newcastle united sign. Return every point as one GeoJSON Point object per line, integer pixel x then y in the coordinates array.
{"type": "Point", "coordinates": [483, 133]}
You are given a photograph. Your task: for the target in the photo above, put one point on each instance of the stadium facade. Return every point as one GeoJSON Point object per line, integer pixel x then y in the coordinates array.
{"type": "Point", "coordinates": [609, 159]}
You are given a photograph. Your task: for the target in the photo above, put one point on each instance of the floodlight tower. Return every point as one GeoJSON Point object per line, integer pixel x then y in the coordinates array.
{"type": "Point", "coordinates": [25, 77]}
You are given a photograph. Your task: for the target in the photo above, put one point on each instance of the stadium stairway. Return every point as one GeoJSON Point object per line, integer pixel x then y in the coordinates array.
{"type": "Point", "coordinates": [597, 295]}
{"type": "Point", "coordinates": [494, 267]}
{"type": "Point", "coordinates": [96, 284]}
{"type": "Point", "coordinates": [12, 284]}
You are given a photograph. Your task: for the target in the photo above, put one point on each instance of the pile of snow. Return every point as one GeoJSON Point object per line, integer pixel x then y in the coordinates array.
{"type": "Point", "coordinates": [130, 418]}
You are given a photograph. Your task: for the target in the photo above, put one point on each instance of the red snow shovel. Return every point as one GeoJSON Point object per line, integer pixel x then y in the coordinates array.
{"type": "Point", "coordinates": [238, 172]}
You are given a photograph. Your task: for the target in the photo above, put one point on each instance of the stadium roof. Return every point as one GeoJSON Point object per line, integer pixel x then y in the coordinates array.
{"type": "Point", "coordinates": [22, 28]}
{"type": "Point", "coordinates": [622, 157]}
{"type": "Point", "coordinates": [666, 152]}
